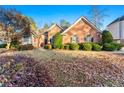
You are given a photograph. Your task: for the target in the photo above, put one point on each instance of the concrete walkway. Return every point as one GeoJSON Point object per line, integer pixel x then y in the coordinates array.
{"type": "Point", "coordinates": [42, 49]}
{"type": "Point", "coordinates": [118, 52]}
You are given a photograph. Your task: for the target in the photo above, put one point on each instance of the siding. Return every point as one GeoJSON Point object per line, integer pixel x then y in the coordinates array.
{"type": "Point", "coordinates": [114, 29]}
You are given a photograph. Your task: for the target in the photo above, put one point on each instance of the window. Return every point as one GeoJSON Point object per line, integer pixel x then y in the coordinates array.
{"type": "Point", "coordinates": [26, 40]}
{"type": "Point", "coordinates": [88, 38]}
{"type": "Point", "coordinates": [74, 39]}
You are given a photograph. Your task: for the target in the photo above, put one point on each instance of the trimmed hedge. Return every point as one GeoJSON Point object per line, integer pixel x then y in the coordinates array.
{"type": "Point", "coordinates": [74, 46]}
{"type": "Point", "coordinates": [96, 47]}
{"type": "Point", "coordinates": [109, 47]}
{"type": "Point", "coordinates": [48, 46]}
{"type": "Point", "coordinates": [3, 45]}
{"type": "Point", "coordinates": [26, 47]}
{"type": "Point", "coordinates": [117, 45]}
{"type": "Point", "coordinates": [88, 46]}
{"type": "Point", "coordinates": [62, 47]}
{"type": "Point", "coordinates": [66, 47]}
{"type": "Point", "coordinates": [85, 46]}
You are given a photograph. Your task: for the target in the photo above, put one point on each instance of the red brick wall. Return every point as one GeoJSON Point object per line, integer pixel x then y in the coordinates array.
{"type": "Point", "coordinates": [81, 29]}
{"type": "Point", "coordinates": [37, 41]}
{"type": "Point", "coordinates": [53, 31]}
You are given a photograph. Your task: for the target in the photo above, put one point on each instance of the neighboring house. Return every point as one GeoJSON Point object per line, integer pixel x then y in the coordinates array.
{"type": "Point", "coordinates": [117, 29]}
{"type": "Point", "coordinates": [33, 37]}
{"type": "Point", "coordinates": [50, 33]}
{"type": "Point", "coordinates": [81, 31]}
{"type": "Point", "coordinates": [37, 39]}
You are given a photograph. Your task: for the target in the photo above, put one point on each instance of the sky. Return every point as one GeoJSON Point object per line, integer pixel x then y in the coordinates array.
{"type": "Point", "coordinates": [54, 13]}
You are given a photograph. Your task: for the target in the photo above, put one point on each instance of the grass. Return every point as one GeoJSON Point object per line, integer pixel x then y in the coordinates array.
{"type": "Point", "coordinates": [62, 68]}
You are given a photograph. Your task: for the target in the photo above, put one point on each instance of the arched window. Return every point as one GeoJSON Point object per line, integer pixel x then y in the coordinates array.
{"type": "Point", "coordinates": [88, 38]}
{"type": "Point", "coordinates": [74, 39]}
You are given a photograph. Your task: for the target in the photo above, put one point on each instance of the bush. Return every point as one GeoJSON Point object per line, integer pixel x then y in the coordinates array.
{"type": "Point", "coordinates": [57, 41]}
{"type": "Point", "coordinates": [106, 37]}
{"type": "Point", "coordinates": [117, 45]}
{"type": "Point", "coordinates": [3, 45]}
{"type": "Point", "coordinates": [62, 47]}
{"type": "Point", "coordinates": [48, 46]}
{"type": "Point", "coordinates": [109, 47]}
{"type": "Point", "coordinates": [85, 46]}
{"type": "Point", "coordinates": [74, 46]}
{"type": "Point", "coordinates": [14, 44]}
{"type": "Point", "coordinates": [96, 47]}
{"type": "Point", "coordinates": [66, 47]}
{"type": "Point", "coordinates": [26, 47]}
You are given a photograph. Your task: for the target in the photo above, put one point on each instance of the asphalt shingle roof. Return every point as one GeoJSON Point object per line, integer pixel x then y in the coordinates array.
{"type": "Point", "coordinates": [117, 20]}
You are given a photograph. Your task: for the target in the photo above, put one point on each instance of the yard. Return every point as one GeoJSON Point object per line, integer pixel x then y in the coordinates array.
{"type": "Point", "coordinates": [41, 67]}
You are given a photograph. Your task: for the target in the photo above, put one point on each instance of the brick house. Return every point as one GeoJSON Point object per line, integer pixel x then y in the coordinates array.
{"type": "Point", "coordinates": [37, 39]}
{"type": "Point", "coordinates": [33, 37]}
{"type": "Point", "coordinates": [50, 33]}
{"type": "Point", "coordinates": [81, 31]}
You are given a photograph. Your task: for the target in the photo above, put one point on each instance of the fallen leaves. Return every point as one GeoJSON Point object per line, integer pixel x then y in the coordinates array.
{"type": "Point", "coordinates": [61, 68]}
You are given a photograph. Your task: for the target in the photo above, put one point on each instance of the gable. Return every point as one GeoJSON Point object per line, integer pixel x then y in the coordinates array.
{"type": "Point", "coordinates": [53, 30]}
{"type": "Point", "coordinates": [81, 24]}
{"type": "Point", "coordinates": [54, 27]}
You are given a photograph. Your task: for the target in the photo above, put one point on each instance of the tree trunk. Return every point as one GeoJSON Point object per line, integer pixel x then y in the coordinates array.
{"type": "Point", "coordinates": [8, 45]}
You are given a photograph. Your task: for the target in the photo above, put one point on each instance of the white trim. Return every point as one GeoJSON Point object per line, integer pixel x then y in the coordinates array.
{"type": "Point", "coordinates": [81, 19]}
{"type": "Point", "coordinates": [54, 25]}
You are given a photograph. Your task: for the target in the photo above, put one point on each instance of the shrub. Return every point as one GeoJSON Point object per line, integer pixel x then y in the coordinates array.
{"type": "Point", "coordinates": [3, 45]}
{"type": "Point", "coordinates": [96, 47]}
{"type": "Point", "coordinates": [85, 46]}
{"type": "Point", "coordinates": [48, 46]}
{"type": "Point", "coordinates": [66, 47]}
{"type": "Point", "coordinates": [106, 37]}
{"type": "Point", "coordinates": [74, 46]}
{"type": "Point", "coordinates": [80, 46]}
{"type": "Point", "coordinates": [117, 45]}
{"type": "Point", "coordinates": [57, 41]}
{"type": "Point", "coordinates": [109, 47]}
{"type": "Point", "coordinates": [14, 44]}
{"type": "Point", "coordinates": [99, 43]}
{"type": "Point", "coordinates": [26, 47]}
{"type": "Point", "coordinates": [62, 47]}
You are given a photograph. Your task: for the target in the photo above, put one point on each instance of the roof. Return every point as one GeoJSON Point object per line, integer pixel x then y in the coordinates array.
{"type": "Point", "coordinates": [32, 32]}
{"type": "Point", "coordinates": [54, 25]}
{"type": "Point", "coordinates": [82, 19]}
{"type": "Point", "coordinates": [117, 20]}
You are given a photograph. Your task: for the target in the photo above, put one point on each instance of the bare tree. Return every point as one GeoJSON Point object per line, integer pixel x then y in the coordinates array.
{"type": "Point", "coordinates": [97, 15]}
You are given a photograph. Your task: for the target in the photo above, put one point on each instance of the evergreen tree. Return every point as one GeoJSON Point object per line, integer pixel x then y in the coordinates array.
{"type": "Point", "coordinates": [107, 37]}
{"type": "Point", "coordinates": [57, 40]}
{"type": "Point", "coordinates": [64, 24]}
